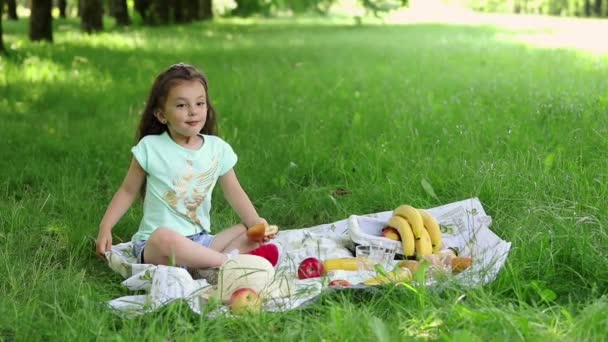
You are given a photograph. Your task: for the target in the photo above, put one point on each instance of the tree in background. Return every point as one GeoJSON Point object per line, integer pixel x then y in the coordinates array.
{"type": "Point", "coordinates": [62, 5]}
{"type": "Point", "coordinates": [185, 11]}
{"type": "Point", "coordinates": [179, 14]}
{"type": "Point", "coordinates": [120, 12]}
{"type": "Point", "coordinates": [2, 51]}
{"type": "Point", "coordinates": [206, 11]}
{"type": "Point", "coordinates": [163, 12]}
{"type": "Point", "coordinates": [91, 15]}
{"type": "Point", "coordinates": [160, 12]}
{"type": "Point", "coordinates": [12, 9]}
{"type": "Point", "coordinates": [141, 6]}
{"type": "Point", "coordinates": [552, 7]}
{"type": "Point", "coordinates": [41, 20]}
{"type": "Point", "coordinates": [156, 12]}
{"type": "Point", "coordinates": [382, 6]}
{"type": "Point", "coordinates": [192, 10]}
{"type": "Point", "coordinates": [597, 8]}
{"type": "Point", "coordinates": [245, 8]}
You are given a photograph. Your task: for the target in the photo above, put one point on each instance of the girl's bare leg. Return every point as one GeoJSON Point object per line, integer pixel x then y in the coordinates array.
{"type": "Point", "coordinates": [165, 246]}
{"type": "Point", "coordinates": [233, 238]}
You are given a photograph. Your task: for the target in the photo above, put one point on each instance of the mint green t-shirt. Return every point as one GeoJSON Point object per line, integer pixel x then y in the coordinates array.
{"type": "Point", "coordinates": [179, 182]}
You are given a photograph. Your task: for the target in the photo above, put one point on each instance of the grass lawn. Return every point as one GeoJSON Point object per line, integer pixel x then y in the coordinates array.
{"type": "Point", "coordinates": [370, 111]}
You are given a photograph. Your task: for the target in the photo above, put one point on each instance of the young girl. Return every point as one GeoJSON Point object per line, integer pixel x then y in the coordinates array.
{"type": "Point", "coordinates": [179, 159]}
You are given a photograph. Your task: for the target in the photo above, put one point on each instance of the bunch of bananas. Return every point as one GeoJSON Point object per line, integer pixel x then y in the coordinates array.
{"type": "Point", "coordinates": [418, 231]}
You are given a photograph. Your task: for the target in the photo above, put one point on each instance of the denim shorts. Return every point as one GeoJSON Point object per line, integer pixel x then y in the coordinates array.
{"type": "Point", "coordinates": [203, 239]}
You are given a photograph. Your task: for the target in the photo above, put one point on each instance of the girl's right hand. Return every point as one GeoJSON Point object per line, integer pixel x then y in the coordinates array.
{"type": "Point", "coordinates": [103, 243]}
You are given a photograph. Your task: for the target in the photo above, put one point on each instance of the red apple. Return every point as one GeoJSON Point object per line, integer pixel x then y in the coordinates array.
{"type": "Point", "coordinates": [339, 283]}
{"type": "Point", "coordinates": [245, 300]}
{"type": "Point", "coordinates": [310, 268]}
{"type": "Point", "coordinates": [391, 233]}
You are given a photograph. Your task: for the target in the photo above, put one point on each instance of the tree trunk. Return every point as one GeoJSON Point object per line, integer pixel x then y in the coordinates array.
{"type": "Point", "coordinates": [92, 15]}
{"type": "Point", "coordinates": [587, 8]}
{"type": "Point", "coordinates": [157, 13]}
{"type": "Point", "coordinates": [206, 9]}
{"type": "Point", "coordinates": [2, 51]}
{"type": "Point", "coordinates": [121, 12]}
{"type": "Point", "coordinates": [192, 10]}
{"type": "Point", "coordinates": [12, 9]}
{"type": "Point", "coordinates": [598, 8]}
{"type": "Point", "coordinates": [41, 21]}
{"type": "Point", "coordinates": [62, 5]}
{"type": "Point", "coordinates": [179, 11]}
{"type": "Point", "coordinates": [141, 6]}
{"type": "Point", "coordinates": [520, 6]}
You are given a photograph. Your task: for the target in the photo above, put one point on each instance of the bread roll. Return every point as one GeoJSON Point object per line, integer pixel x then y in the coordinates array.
{"type": "Point", "coordinates": [259, 231]}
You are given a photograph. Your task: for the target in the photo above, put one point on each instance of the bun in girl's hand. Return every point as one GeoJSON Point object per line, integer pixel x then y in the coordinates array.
{"type": "Point", "coordinates": [271, 230]}
{"type": "Point", "coordinates": [256, 232]}
{"type": "Point", "coordinates": [261, 230]}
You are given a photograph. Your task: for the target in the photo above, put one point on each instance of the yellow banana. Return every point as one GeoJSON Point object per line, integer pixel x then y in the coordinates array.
{"type": "Point", "coordinates": [433, 228]}
{"type": "Point", "coordinates": [346, 264]}
{"type": "Point", "coordinates": [405, 232]}
{"type": "Point", "coordinates": [399, 276]}
{"type": "Point", "coordinates": [413, 217]}
{"type": "Point", "coordinates": [424, 246]}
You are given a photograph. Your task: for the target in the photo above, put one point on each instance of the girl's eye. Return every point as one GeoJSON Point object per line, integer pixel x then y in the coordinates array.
{"type": "Point", "coordinates": [201, 103]}
{"type": "Point", "coordinates": [181, 105]}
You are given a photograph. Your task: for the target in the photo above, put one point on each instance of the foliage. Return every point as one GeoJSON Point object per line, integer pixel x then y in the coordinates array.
{"type": "Point", "coordinates": [1, 38]}
{"type": "Point", "coordinates": [269, 7]}
{"type": "Point", "coordinates": [552, 7]}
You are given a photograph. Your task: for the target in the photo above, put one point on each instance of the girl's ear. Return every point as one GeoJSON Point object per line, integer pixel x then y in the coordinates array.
{"type": "Point", "coordinates": [160, 116]}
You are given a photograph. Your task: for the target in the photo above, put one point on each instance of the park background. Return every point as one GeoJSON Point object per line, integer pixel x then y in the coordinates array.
{"type": "Point", "coordinates": [334, 108]}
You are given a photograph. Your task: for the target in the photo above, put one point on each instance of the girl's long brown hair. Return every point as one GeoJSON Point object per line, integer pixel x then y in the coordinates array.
{"type": "Point", "coordinates": [149, 124]}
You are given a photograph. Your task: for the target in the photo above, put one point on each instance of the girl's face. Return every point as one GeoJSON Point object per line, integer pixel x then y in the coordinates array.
{"type": "Point", "coordinates": [185, 110]}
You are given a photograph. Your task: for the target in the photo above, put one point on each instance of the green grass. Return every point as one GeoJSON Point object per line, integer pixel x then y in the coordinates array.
{"type": "Point", "coordinates": [310, 109]}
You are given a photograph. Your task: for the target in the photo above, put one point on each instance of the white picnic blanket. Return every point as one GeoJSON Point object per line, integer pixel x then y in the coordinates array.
{"type": "Point", "coordinates": [464, 225]}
